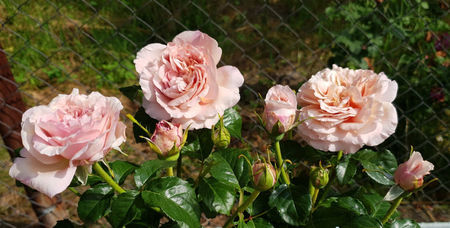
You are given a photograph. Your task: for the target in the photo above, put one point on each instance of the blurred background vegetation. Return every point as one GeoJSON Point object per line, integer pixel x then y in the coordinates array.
{"type": "Point", "coordinates": [54, 46]}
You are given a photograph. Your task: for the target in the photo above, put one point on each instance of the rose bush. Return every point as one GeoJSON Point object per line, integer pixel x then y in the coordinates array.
{"type": "Point", "coordinates": [350, 109]}
{"type": "Point", "coordinates": [181, 81]}
{"type": "Point", "coordinates": [344, 110]}
{"type": "Point", "coordinates": [73, 130]}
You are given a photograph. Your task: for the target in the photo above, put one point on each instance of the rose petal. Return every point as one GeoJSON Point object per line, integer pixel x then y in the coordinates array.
{"type": "Point", "coordinates": [200, 39]}
{"type": "Point", "coordinates": [147, 55]}
{"type": "Point", "coordinates": [48, 179]}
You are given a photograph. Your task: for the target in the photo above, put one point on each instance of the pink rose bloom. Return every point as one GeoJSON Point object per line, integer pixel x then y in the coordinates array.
{"type": "Point", "coordinates": [409, 175]}
{"type": "Point", "coordinates": [280, 105]}
{"type": "Point", "coordinates": [166, 136]}
{"type": "Point", "coordinates": [351, 108]}
{"type": "Point", "coordinates": [181, 81]}
{"type": "Point", "coordinates": [71, 131]}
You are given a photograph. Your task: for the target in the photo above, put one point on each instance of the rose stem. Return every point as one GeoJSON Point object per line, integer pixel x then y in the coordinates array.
{"type": "Point", "coordinates": [314, 197]}
{"type": "Point", "coordinates": [170, 171]}
{"type": "Point", "coordinates": [242, 208]}
{"type": "Point", "coordinates": [392, 209]}
{"type": "Point", "coordinates": [72, 189]}
{"type": "Point", "coordinates": [107, 178]}
{"type": "Point", "coordinates": [332, 178]}
{"type": "Point", "coordinates": [284, 175]}
{"type": "Point", "coordinates": [179, 163]}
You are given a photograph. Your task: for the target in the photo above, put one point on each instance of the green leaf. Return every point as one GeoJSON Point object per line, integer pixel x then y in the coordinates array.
{"type": "Point", "coordinates": [351, 204]}
{"type": "Point", "coordinates": [148, 169]}
{"type": "Point", "coordinates": [222, 170]}
{"type": "Point", "coordinates": [95, 202]}
{"type": "Point", "coordinates": [261, 204]}
{"type": "Point", "coordinates": [293, 204]}
{"type": "Point", "coordinates": [146, 121]}
{"type": "Point", "coordinates": [243, 224]}
{"type": "Point", "coordinates": [330, 217]}
{"type": "Point", "coordinates": [206, 143]}
{"type": "Point", "coordinates": [121, 170]}
{"type": "Point", "coordinates": [363, 222]}
{"type": "Point", "coordinates": [346, 169]}
{"type": "Point", "coordinates": [192, 147]}
{"type": "Point", "coordinates": [132, 92]}
{"type": "Point", "coordinates": [94, 180]}
{"type": "Point", "coordinates": [261, 223]}
{"type": "Point", "coordinates": [379, 166]}
{"type": "Point", "coordinates": [374, 204]}
{"type": "Point", "coordinates": [376, 174]}
{"type": "Point", "coordinates": [342, 212]}
{"type": "Point", "coordinates": [239, 165]}
{"type": "Point", "coordinates": [123, 209]}
{"type": "Point", "coordinates": [199, 144]}
{"type": "Point", "coordinates": [293, 151]}
{"type": "Point", "coordinates": [402, 223]}
{"type": "Point", "coordinates": [176, 198]}
{"type": "Point", "coordinates": [217, 196]}
{"type": "Point", "coordinates": [424, 5]}
{"type": "Point", "coordinates": [233, 122]}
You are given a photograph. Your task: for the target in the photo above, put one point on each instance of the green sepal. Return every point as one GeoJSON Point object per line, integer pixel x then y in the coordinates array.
{"type": "Point", "coordinates": [152, 146]}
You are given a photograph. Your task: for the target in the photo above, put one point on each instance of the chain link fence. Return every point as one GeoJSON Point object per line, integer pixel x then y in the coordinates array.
{"type": "Point", "coordinates": [54, 46]}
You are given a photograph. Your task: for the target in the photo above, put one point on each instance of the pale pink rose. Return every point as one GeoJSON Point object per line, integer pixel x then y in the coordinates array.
{"type": "Point", "coordinates": [181, 81]}
{"type": "Point", "coordinates": [72, 130]}
{"type": "Point", "coordinates": [166, 136]}
{"type": "Point", "coordinates": [280, 105]}
{"type": "Point", "coordinates": [409, 175]}
{"type": "Point", "coordinates": [350, 109]}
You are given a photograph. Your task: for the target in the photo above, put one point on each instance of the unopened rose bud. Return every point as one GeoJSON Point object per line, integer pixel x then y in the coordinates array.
{"type": "Point", "coordinates": [167, 139]}
{"type": "Point", "coordinates": [220, 135]}
{"type": "Point", "coordinates": [319, 176]}
{"type": "Point", "coordinates": [409, 175]}
{"type": "Point", "coordinates": [280, 109]}
{"type": "Point", "coordinates": [264, 176]}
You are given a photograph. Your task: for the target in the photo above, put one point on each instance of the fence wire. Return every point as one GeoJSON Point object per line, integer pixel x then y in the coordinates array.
{"type": "Point", "coordinates": [54, 46]}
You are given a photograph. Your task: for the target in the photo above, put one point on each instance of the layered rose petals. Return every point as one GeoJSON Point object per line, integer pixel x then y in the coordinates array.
{"type": "Point", "coordinates": [181, 82]}
{"type": "Point", "coordinates": [72, 130]}
{"type": "Point", "coordinates": [349, 109]}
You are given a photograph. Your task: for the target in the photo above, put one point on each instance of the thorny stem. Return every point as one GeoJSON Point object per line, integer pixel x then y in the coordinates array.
{"type": "Point", "coordinates": [242, 208]}
{"type": "Point", "coordinates": [102, 173]}
{"type": "Point", "coordinates": [392, 209]}
{"type": "Point", "coordinates": [284, 175]}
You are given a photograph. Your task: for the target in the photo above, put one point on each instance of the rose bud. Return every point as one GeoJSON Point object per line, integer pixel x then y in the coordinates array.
{"type": "Point", "coordinates": [319, 176]}
{"type": "Point", "coordinates": [280, 109]}
{"type": "Point", "coordinates": [264, 176]}
{"type": "Point", "coordinates": [220, 135]}
{"type": "Point", "coordinates": [167, 140]}
{"type": "Point", "coordinates": [409, 175]}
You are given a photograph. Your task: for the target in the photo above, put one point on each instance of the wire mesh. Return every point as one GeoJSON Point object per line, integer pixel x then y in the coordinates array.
{"type": "Point", "coordinates": [53, 46]}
